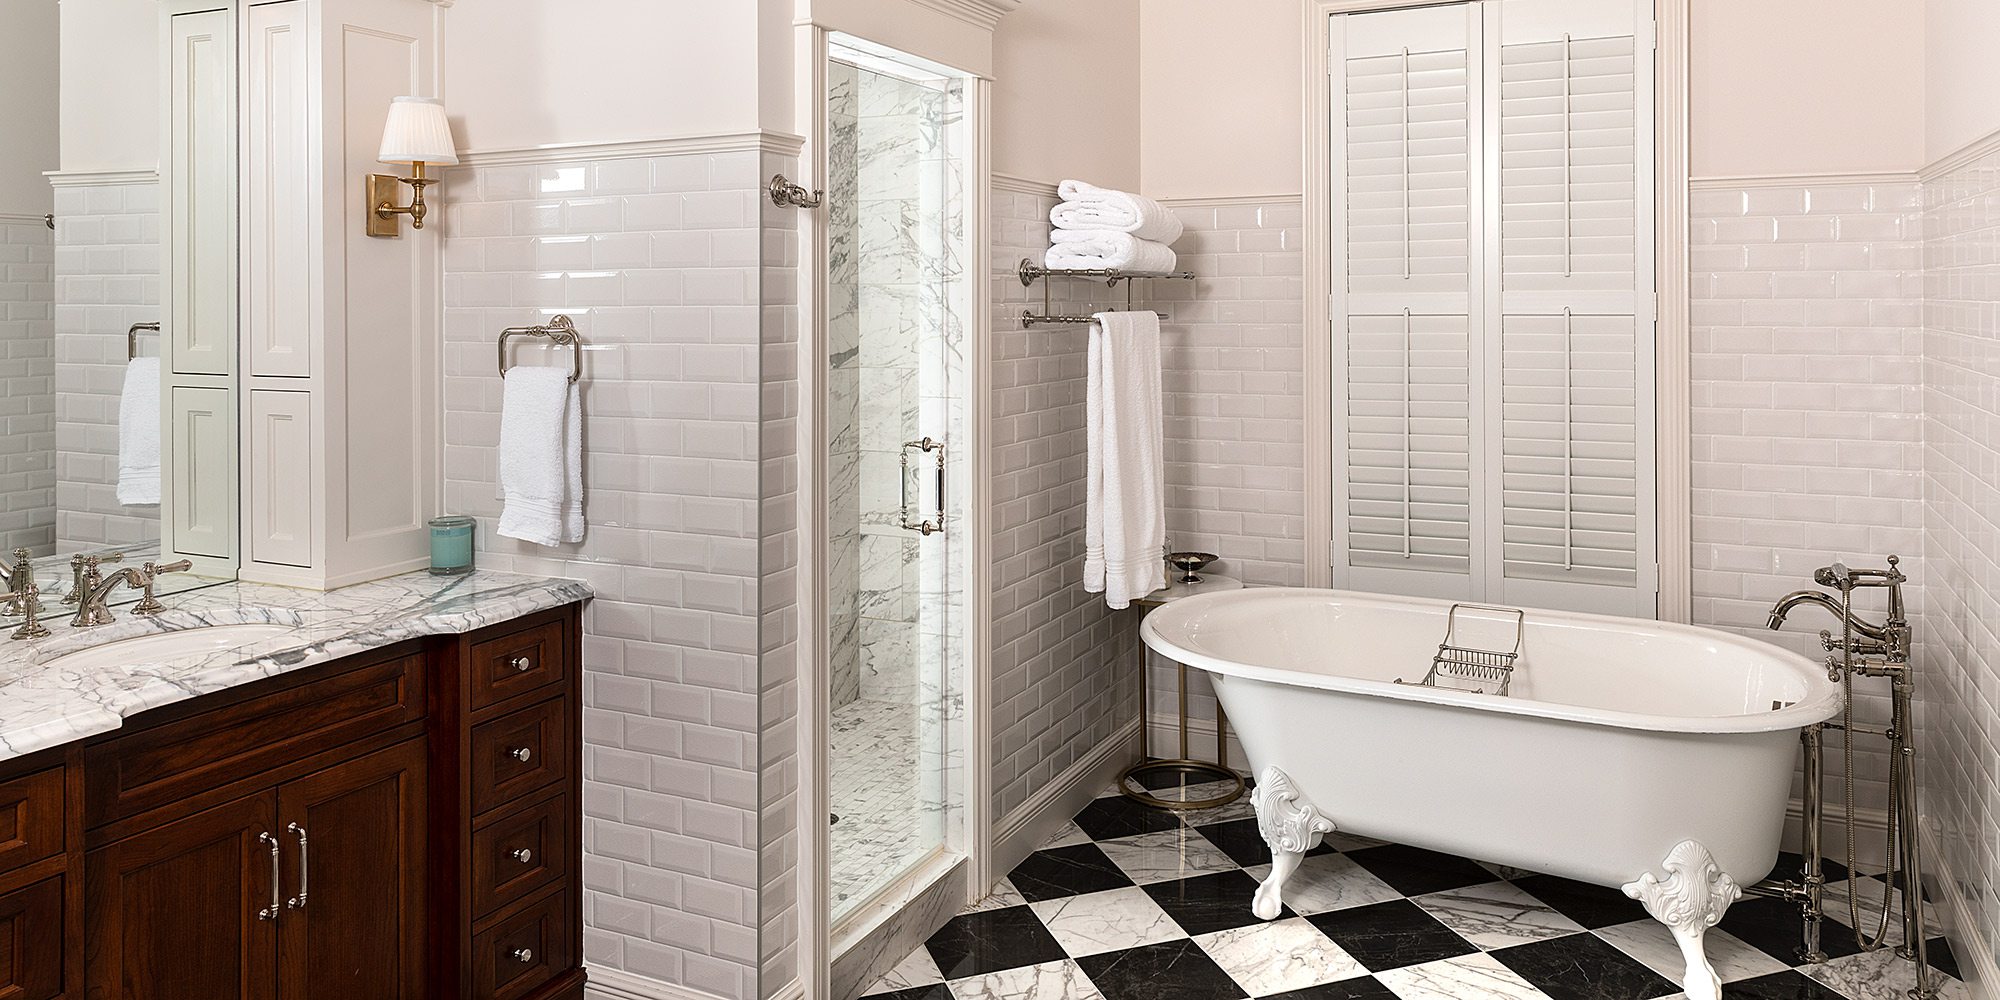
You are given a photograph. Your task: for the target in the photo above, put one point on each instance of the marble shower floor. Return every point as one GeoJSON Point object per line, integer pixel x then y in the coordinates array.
{"type": "Point", "coordinates": [1129, 903]}
{"type": "Point", "coordinates": [873, 779]}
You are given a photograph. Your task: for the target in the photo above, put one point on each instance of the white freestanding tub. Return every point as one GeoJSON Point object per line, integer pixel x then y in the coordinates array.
{"type": "Point", "coordinates": [1650, 756]}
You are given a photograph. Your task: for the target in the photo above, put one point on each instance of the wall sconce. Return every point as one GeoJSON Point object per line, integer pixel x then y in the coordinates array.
{"type": "Point", "coordinates": [417, 134]}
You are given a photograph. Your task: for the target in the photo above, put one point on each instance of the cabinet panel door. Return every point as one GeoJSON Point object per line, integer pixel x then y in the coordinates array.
{"type": "Point", "coordinates": [354, 874]}
{"type": "Point", "coordinates": [173, 913]}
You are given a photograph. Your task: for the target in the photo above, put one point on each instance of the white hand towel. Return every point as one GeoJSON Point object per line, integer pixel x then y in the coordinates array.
{"type": "Point", "coordinates": [541, 456]}
{"type": "Point", "coordinates": [139, 433]}
{"type": "Point", "coordinates": [1086, 206]}
{"type": "Point", "coordinates": [1125, 512]}
{"type": "Point", "coordinates": [1083, 248]}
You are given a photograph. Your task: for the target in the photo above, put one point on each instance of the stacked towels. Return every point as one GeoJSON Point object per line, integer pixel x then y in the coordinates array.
{"type": "Point", "coordinates": [1100, 228]}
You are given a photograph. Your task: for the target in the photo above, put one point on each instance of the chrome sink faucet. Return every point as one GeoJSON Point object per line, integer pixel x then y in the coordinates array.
{"type": "Point", "coordinates": [94, 590]}
{"type": "Point", "coordinates": [17, 580]}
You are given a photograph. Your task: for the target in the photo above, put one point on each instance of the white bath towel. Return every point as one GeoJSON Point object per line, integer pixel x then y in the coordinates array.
{"type": "Point", "coordinates": [1083, 248]}
{"type": "Point", "coordinates": [1086, 206]}
{"type": "Point", "coordinates": [1125, 512]}
{"type": "Point", "coordinates": [541, 456]}
{"type": "Point", "coordinates": [139, 433]}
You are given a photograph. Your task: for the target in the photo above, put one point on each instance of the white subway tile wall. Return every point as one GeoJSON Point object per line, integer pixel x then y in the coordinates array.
{"type": "Point", "coordinates": [668, 269]}
{"type": "Point", "coordinates": [107, 277]}
{"type": "Point", "coordinates": [1064, 671]}
{"type": "Point", "coordinates": [1807, 427]}
{"type": "Point", "coordinates": [1960, 676]}
{"type": "Point", "coordinates": [27, 383]}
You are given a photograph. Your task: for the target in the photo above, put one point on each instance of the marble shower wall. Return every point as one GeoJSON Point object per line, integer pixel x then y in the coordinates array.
{"type": "Point", "coordinates": [27, 383]}
{"type": "Point", "coordinates": [681, 285]}
{"type": "Point", "coordinates": [107, 277]}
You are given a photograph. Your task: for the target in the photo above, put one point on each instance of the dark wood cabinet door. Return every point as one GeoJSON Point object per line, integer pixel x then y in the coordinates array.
{"type": "Point", "coordinates": [174, 913]}
{"type": "Point", "coordinates": [354, 874]}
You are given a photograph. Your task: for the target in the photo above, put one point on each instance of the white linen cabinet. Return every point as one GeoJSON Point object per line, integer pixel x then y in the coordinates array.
{"type": "Point", "coordinates": [335, 364]}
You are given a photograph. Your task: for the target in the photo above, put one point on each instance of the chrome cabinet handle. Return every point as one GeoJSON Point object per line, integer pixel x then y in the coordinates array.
{"type": "Point", "coordinates": [922, 527]}
{"type": "Point", "coordinates": [298, 902]}
{"type": "Point", "coordinates": [524, 856]}
{"type": "Point", "coordinates": [522, 754]}
{"type": "Point", "coordinates": [271, 912]}
{"type": "Point", "coordinates": [523, 664]}
{"type": "Point", "coordinates": [524, 955]}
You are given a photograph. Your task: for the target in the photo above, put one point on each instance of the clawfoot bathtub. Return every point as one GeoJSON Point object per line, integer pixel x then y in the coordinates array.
{"type": "Point", "coordinates": [1653, 757]}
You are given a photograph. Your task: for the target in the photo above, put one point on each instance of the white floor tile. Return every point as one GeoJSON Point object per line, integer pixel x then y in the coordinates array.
{"type": "Point", "coordinates": [1166, 855]}
{"type": "Point", "coordinates": [1649, 942]}
{"type": "Point", "coordinates": [1062, 980]}
{"type": "Point", "coordinates": [1328, 882]}
{"type": "Point", "coordinates": [1497, 915]}
{"type": "Point", "coordinates": [1279, 956]}
{"type": "Point", "coordinates": [1463, 978]}
{"type": "Point", "coordinates": [1114, 920]}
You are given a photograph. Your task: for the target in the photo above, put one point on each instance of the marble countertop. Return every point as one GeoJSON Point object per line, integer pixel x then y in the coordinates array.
{"type": "Point", "coordinates": [43, 704]}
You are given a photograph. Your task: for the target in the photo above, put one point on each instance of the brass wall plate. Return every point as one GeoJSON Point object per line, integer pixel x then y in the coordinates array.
{"type": "Point", "coordinates": [383, 189]}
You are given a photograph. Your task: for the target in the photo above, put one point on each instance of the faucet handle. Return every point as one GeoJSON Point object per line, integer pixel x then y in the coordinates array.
{"type": "Point", "coordinates": [1836, 575]}
{"type": "Point", "coordinates": [31, 605]}
{"type": "Point", "coordinates": [149, 573]}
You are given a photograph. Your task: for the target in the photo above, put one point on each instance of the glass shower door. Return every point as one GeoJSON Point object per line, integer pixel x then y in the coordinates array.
{"type": "Point", "coordinates": [894, 399]}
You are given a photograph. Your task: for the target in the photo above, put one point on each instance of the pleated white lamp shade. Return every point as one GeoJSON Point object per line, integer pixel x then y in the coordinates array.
{"type": "Point", "coordinates": [417, 132]}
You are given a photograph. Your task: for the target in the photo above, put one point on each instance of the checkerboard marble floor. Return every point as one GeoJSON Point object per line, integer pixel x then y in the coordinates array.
{"type": "Point", "coordinates": [1130, 903]}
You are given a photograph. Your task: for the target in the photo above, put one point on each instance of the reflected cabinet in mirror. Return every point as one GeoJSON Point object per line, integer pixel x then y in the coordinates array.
{"type": "Point", "coordinates": [119, 312]}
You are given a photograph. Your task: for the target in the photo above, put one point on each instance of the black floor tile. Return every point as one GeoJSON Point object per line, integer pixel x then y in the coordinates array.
{"type": "Point", "coordinates": [974, 944]}
{"type": "Point", "coordinates": [1240, 840]}
{"type": "Point", "coordinates": [1786, 985]}
{"type": "Point", "coordinates": [1176, 969]}
{"type": "Point", "coordinates": [1773, 927]}
{"type": "Point", "coordinates": [1117, 816]}
{"type": "Point", "coordinates": [1391, 935]}
{"type": "Point", "coordinates": [1938, 952]}
{"type": "Point", "coordinates": [1414, 871]}
{"type": "Point", "coordinates": [1066, 871]}
{"type": "Point", "coordinates": [1593, 906]}
{"type": "Point", "coordinates": [1208, 903]}
{"type": "Point", "coordinates": [1362, 988]}
{"type": "Point", "coordinates": [1584, 967]}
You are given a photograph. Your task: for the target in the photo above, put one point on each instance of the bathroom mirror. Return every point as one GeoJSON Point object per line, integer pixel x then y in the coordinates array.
{"type": "Point", "coordinates": [118, 310]}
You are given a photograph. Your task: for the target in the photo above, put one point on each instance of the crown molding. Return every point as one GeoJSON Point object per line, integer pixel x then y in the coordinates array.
{"type": "Point", "coordinates": [1801, 180]}
{"type": "Point", "coordinates": [1961, 157]}
{"type": "Point", "coordinates": [100, 178]}
{"type": "Point", "coordinates": [781, 143]}
{"type": "Point", "coordinates": [981, 14]}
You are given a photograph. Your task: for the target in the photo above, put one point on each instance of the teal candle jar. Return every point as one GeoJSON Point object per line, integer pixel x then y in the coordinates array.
{"type": "Point", "coordinates": [451, 545]}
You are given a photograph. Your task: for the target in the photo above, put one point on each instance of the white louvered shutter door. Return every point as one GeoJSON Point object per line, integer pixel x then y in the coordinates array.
{"type": "Point", "coordinates": [1406, 326]}
{"type": "Point", "coordinates": [1493, 303]}
{"type": "Point", "coordinates": [1574, 407]}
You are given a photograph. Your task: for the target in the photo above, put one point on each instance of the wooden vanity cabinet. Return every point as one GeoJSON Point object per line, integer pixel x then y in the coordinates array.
{"type": "Point", "coordinates": [329, 834]}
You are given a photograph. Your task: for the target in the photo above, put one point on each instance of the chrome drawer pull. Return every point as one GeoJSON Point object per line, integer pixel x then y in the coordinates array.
{"type": "Point", "coordinates": [524, 856]}
{"type": "Point", "coordinates": [271, 912]}
{"type": "Point", "coordinates": [524, 955]}
{"type": "Point", "coordinates": [523, 664]}
{"type": "Point", "coordinates": [522, 754]}
{"type": "Point", "coordinates": [298, 902]}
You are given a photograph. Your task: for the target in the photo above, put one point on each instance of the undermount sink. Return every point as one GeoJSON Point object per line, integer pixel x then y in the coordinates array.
{"type": "Point", "coordinates": [169, 645]}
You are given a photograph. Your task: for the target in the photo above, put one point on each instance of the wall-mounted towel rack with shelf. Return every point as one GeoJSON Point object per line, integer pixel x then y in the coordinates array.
{"type": "Point", "coordinates": [1029, 272]}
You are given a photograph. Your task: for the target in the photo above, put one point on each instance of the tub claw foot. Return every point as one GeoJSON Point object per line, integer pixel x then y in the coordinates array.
{"type": "Point", "coordinates": [1290, 827]}
{"type": "Point", "coordinates": [1690, 900]}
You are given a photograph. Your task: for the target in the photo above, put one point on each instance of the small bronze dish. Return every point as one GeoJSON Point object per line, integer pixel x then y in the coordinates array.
{"type": "Point", "coordinates": [1188, 562]}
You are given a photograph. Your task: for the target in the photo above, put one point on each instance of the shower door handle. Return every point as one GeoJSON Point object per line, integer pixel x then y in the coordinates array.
{"type": "Point", "coordinates": [922, 527]}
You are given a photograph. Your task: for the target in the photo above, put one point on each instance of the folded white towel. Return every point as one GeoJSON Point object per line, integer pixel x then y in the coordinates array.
{"type": "Point", "coordinates": [1125, 513]}
{"type": "Point", "coordinates": [1086, 206]}
{"type": "Point", "coordinates": [541, 456]}
{"type": "Point", "coordinates": [139, 433]}
{"type": "Point", "coordinates": [1083, 248]}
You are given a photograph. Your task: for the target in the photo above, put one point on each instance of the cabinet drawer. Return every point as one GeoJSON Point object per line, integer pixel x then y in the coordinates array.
{"type": "Point", "coordinates": [518, 753]}
{"type": "Point", "coordinates": [162, 764]}
{"type": "Point", "coordinates": [517, 664]}
{"type": "Point", "coordinates": [520, 852]}
{"type": "Point", "coordinates": [31, 941]}
{"type": "Point", "coordinates": [31, 820]}
{"type": "Point", "coordinates": [522, 952]}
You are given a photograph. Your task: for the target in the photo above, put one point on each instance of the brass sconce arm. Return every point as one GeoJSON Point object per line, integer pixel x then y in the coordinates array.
{"type": "Point", "coordinates": [381, 194]}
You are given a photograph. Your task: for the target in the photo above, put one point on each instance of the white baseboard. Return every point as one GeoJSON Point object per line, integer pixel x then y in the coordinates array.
{"type": "Point", "coordinates": [1163, 735]}
{"type": "Point", "coordinates": [1871, 826]}
{"type": "Point", "coordinates": [612, 984]}
{"type": "Point", "coordinates": [1976, 962]}
{"type": "Point", "coordinates": [1036, 820]}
